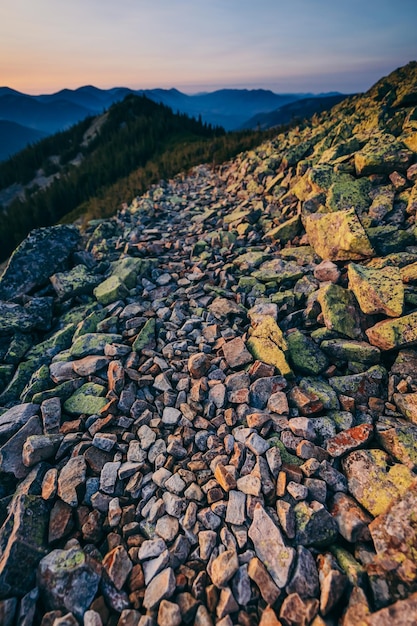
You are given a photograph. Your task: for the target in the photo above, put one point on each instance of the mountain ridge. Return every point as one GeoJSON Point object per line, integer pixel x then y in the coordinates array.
{"type": "Point", "coordinates": [209, 401]}
{"type": "Point", "coordinates": [232, 106]}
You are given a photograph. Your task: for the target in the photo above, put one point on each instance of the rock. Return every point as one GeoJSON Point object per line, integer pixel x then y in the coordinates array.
{"type": "Point", "coordinates": [236, 354]}
{"type": "Point", "coordinates": [361, 386]}
{"type": "Point", "coordinates": [223, 308]}
{"type": "Point", "coordinates": [223, 568]}
{"type": "Point", "coordinates": [373, 482]}
{"type": "Point", "coordinates": [278, 270]}
{"type": "Point", "coordinates": [349, 440]}
{"type": "Point", "coordinates": [402, 612]}
{"type": "Point", "coordinates": [377, 290]}
{"type": "Point", "coordinates": [92, 343]}
{"type": "Point", "coordinates": [40, 447]}
{"type": "Point", "coordinates": [314, 525]}
{"type": "Point", "coordinates": [395, 333]}
{"type": "Point", "coordinates": [305, 578]}
{"type": "Point", "coordinates": [68, 580]}
{"type": "Point", "coordinates": [225, 479]}
{"type": "Point", "coordinates": [36, 315]}
{"type": "Point", "coordinates": [170, 416]}
{"type": "Point", "coordinates": [22, 540]}
{"type": "Point", "coordinates": [51, 415]}
{"type": "Point", "coordinates": [327, 271]}
{"type": "Point", "coordinates": [351, 520]}
{"type": "Point", "coordinates": [89, 365]}
{"type": "Point", "coordinates": [169, 614]}
{"type": "Point", "coordinates": [14, 418]}
{"type": "Point", "coordinates": [305, 356]}
{"type": "Point", "coordinates": [407, 404]}
{"type": "Point", "coordinates": [285, 232]}
{"type": "Point", "coordinates": [118, 566]}
{"type": "Point", "coordinates": [269, 618]}
{"type": "Point", "coordinates": [198, 364]}
{"type": "Point", "coordinates": [236, 508]}
{"type": "Point", "coordinates": [394, 534]}
{"type": "Point", "coordinates": [293, 610]}
{"type": "Point", "coordinates": [382, 155]}
{"type": "Point", "coordinates": [226, 604]}
{"type": "Point", "coordinates": [110, 290]}
{"type": "Point", "coordinates": [339, 310]}
{"type": "Point", "coordinates": [108, 477]}
{"type": "Point", "coordinates": [399, 438]}
{"type": "Point", "coordinates": [71, 478]}
{"type": "Point", "coordinates": [146, 337]}
{"type": "Point", "coordinates": [128, 269]}
{"type": "Point", "coordinates": [60, 521]}
{"type": "Point", "coordinates": [338, 236]}
{"type": "Point", "coordinates": [267, 344]}
{"type": "Point", "coordinates": [258, 573]}
{"type": "Point", "coordinates": [332, 583]}
{"type": "Point", "coordinates": [41, 254]}
{"type": "Point", "coordinates": [348, 350]}
{"type": "Point", "coordinates": [75, 282]}
{"type": "Point", "coordinates": [160, 588]}
{"type": "Point", "coordinates": [88, 400]}
{"type": "Point", "coordinates": [11, 452]}
{"type": "Point", "coordinates": [270, 547]}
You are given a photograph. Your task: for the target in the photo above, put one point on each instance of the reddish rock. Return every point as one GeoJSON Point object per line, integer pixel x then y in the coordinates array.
{"type": "Point", "coordinates": [350, 439]}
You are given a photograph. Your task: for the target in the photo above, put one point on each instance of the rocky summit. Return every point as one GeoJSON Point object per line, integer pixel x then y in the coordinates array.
{"type": "Point", "coordinates": [209, 401]}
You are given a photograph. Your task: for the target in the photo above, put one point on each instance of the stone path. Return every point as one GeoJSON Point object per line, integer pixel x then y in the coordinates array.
{"type": "Point", "coordinates": [209, 413]}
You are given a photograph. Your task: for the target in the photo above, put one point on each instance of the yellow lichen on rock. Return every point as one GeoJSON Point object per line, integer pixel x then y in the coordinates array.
{"type": "Point", "coordinates": [267, 344]}
{"type": "Point", "coordinates": [394, 333]}
{"type": "Point", "coordinates": [377, 290]}
{"type": "Point", "coordinates": [338, 236]}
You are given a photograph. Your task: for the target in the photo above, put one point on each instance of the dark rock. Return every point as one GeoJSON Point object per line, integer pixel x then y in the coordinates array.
{"type": "Point", "coordinates": [22, 540]}
{"type": "Point", "coordinates": [41, 254]}
{"type": "Point", "coordinates": [68, 580]}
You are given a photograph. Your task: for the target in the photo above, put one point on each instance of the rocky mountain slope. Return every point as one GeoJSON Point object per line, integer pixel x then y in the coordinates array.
{"type": "Point", "coordinates": [210, 400]}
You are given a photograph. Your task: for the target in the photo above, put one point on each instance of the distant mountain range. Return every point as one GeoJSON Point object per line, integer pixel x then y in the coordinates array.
{"type": "Point", "coordinates": [298, 109]}
{"type": "Point", "coordinates": [47, 114]}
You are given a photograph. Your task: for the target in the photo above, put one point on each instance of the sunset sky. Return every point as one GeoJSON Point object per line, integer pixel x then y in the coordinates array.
{"type": "Point", "coordinates": [196, 45]}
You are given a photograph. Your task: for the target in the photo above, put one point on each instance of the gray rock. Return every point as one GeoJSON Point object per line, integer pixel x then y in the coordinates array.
{"type": "Point", "coordinates": [236, 508]}
{"type": "Point", "coordinates": [108, 477]}
{"type": "Point", "coordinates": [305, 578]}
{"type": "Point", "coordinates": [40, 447]}
{"type": "Point", "coordinates": [270, 547]}
{"type": "Point", "coordinates": [15, 418]}
{"type": "Point", "coordinates": [68, 580]}
{"type": "Point", "coordinates": [11, 452]}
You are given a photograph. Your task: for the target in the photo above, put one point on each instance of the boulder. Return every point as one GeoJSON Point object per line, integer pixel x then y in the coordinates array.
{"type": "Point", "coordinates": [43, 252]}
{"type": "Point", "coordinates": [338, 236]}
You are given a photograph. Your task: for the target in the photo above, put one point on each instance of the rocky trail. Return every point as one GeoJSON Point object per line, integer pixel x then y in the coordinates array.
{"type": "Point", "coordinates": [209, 401]}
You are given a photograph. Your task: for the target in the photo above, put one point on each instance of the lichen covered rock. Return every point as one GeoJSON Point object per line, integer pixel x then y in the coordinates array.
{"type": "Point", "coordinates": [338, 236]}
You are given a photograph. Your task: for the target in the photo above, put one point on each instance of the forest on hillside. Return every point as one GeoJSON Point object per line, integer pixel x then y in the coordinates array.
{"type": "Point", "coordinates": [139, 143]}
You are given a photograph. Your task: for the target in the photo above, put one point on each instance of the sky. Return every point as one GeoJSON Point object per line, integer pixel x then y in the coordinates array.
{"type": "Point", "coordinates": [203, 45]}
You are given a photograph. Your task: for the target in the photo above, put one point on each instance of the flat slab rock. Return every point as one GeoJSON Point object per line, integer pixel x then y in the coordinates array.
{"type": "Point", "coordinates": [270, 547]}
